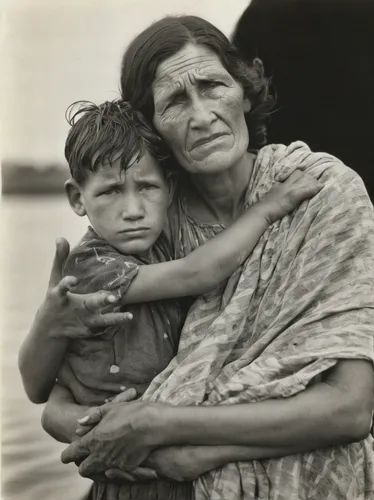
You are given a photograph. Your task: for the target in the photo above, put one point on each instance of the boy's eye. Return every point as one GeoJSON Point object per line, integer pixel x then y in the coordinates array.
{"type": "Point", "coordinates": [112, 190]}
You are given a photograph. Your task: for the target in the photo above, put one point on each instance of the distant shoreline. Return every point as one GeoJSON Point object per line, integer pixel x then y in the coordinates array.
{"type": "Point", "coordinates": [29, 180]}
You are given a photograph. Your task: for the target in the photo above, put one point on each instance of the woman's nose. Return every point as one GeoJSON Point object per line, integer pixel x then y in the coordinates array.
{"type": "Point", "coordinates": [133, 207]}
{"type": "Point", "coordinates": [201, 113]}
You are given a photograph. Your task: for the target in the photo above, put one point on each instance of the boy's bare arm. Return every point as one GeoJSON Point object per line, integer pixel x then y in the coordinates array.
{"type": "Point", "coordinates": [61, 414]}
{"type": "Point", "coordinates": [217, 259]}
{"type": "Point", "coordinates": [61, 317]}
{"type": "Point", "coordinates": [42, 351]}
{"type": "Point", "coordinates": [203, 269]}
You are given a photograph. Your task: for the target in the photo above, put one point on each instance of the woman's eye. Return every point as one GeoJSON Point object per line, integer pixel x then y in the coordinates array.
{"type": "Point", "coordinates": [174, 102]}
{"type": "Point", "coordinates": [213, 84]}
{"type": "Point", "coordinates": [147, 187]}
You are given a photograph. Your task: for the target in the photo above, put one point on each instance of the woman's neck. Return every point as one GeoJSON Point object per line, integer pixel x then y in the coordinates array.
{"type": "Point", "coordinates": [220, 197]}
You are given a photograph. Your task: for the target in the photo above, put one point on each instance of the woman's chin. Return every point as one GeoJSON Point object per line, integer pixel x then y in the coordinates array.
{"type": "Point", "coordinates": [214, 163]}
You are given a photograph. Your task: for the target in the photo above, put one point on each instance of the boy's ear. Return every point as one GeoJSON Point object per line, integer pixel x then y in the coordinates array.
{"type": "Point", "coordinates": [74, 195]}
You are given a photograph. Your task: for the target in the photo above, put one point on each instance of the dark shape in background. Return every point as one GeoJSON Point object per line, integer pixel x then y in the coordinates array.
{"type": "Point", "coordinates": [27, 179]}
{"type": "Point", "coordinates": [320, 55]}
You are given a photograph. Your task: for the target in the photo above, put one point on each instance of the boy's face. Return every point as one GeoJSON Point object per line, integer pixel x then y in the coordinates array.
{"type": "Point", "coordinates": [127, 208]}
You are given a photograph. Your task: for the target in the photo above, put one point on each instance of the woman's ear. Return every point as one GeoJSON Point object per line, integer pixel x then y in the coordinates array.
{"type": "Point", "coordinates": [246, 105]}
{"type": "Point", "coordinates": [74, 195]}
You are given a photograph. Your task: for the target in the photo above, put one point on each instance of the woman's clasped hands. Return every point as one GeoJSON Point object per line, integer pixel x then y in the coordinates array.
{"type": "Point", "coordinates": [118, 442]}
{"type": "Point", "coordinates": [122, 437]}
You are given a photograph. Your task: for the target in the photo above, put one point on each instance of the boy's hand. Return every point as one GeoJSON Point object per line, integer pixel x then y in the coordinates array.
{"type": "Point", "coordinates": [70, 315]}
{"type": "Point", "coordinates": [95, 414]}
{"type": "Point", "coordinates": [287, 196]}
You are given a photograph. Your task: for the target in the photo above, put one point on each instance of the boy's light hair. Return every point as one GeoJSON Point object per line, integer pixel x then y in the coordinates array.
{"type": "Point", "coordinates": [101, 133]}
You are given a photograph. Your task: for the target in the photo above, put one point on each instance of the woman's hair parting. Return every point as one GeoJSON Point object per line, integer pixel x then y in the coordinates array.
{"type": "Point", "coordinates": [102, 133]}
{"type": "Point", "coordinates": [168, 36]}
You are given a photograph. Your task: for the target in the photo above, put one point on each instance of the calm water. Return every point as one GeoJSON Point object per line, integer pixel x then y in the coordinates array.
{"type": "Point", "coordinates": [31, 467]}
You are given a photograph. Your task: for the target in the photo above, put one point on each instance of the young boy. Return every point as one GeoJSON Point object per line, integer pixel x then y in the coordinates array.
{"type": "Point", "coordinates": [118, 181]}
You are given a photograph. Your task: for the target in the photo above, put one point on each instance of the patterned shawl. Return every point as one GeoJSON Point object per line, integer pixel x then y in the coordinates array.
{"type": "Point", "coordinates": [303, 300]}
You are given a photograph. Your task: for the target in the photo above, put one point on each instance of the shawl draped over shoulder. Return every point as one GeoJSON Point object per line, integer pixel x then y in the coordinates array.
{"type": "Point", "coordinates": [302, 301]}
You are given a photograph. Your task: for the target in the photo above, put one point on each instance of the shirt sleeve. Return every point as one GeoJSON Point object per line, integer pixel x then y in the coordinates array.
{"type": "Point", "coordinates": [98, 266]}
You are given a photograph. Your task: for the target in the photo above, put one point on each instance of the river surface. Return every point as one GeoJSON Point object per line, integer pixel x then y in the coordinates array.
{"type": "Point", "coordinates": [31, 467]}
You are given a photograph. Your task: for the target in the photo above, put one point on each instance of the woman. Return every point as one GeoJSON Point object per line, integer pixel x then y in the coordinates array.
{"type": "Point", "coordinates": [290, 334]}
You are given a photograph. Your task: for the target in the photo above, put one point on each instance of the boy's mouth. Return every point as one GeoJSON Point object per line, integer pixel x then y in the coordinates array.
{"type": "Point", "coordinates": [134, 230]}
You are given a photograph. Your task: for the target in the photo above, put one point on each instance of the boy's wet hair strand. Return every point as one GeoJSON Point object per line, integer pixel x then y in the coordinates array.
{"type": "Point", "coordinates": [101, 133]}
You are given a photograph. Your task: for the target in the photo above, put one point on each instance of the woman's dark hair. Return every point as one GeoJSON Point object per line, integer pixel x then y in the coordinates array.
{"type": "Point", "coordinates": [100, 133]}
{"type": "Point", "coordinates": [168, 36]}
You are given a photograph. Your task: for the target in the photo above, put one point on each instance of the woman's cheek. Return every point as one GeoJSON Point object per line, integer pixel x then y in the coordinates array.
{"type": "Point", "coordinates": [233, 102]}
{"type": "Point", "coordinates": [170, 127]}
{"type": "Point", "coordinates": [171, 117]}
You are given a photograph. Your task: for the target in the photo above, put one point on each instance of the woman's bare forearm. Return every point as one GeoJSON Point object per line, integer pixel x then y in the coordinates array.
{"type": "Point", "coordinates": [323, 415]}
{"type": "Point", "coordinates": [212, 457]}
{"type": "Point", "coordinates": [61, 413]}
{"type": "Point", "coordinates": [41, 356]}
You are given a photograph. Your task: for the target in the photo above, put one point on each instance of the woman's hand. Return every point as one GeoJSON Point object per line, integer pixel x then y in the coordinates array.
{"type": "Point", "coordinates": [123, 438]}
{"type": "Point", "coordinates": [183, 463]}
{"type": "Point", "coordinates": [91, 418]}
{"type": "Point", "coordinates": [178, 463]}
{"type": "Point", "coordinates": [94, 414]}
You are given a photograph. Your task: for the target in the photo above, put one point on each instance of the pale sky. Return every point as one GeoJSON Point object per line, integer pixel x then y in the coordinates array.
{"type": "Point", "coordinates": [55, 52]}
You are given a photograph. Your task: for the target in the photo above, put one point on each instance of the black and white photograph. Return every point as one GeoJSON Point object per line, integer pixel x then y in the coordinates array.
{"type": "Point", "coordinates": [187, 249]}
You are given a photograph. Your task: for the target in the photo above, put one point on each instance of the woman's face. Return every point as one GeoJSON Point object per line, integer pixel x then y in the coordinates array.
{"type": "Point", "coordinates": [199, 111]}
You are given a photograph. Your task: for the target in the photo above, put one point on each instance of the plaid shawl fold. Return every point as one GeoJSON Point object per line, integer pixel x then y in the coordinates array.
{"type": "Point", "coordinates": [303, 300]}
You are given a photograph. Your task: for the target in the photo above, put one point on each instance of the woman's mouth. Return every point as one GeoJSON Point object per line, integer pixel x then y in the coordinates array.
{"type": "Point", "coordinates": [207, 141]}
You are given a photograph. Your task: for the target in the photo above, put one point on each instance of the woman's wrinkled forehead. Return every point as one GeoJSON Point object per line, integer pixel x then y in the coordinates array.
{"type": "Point", "coordinates": [191, 64]}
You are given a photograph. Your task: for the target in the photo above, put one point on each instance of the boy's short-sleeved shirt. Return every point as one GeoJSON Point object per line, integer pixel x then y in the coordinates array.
{"type": "Point", "coordinates": [131, 354]}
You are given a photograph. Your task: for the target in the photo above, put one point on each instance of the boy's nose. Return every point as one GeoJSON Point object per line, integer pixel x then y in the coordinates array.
{"type": "Point", "coordinates": [133, 208]}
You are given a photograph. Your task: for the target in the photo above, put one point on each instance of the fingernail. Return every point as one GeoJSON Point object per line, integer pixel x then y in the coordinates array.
{"type": "Point", "coordinates": [128, 316]}
{"type": "Point", "coordinates": [84, 419]}
{"type": "Point", "coordinates": [123, 388]}
{"type": "Point", "coordinates": [107, 400]}
{"type": "Point", "coordinates": [112, 298]}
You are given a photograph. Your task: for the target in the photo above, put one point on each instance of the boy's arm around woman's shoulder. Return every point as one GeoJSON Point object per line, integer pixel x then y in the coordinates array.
{"type": "Point", "coordinates": [217, 259]}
